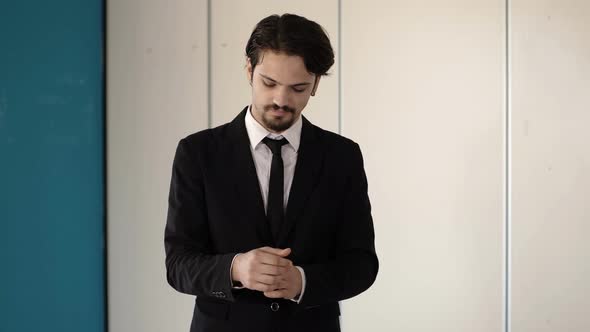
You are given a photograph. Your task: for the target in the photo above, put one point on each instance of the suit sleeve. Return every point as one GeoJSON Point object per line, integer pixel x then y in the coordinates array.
{"type": "Point", "coordinates": [191, 266]}
{"type": "Point", "coordinates": [354, 267]}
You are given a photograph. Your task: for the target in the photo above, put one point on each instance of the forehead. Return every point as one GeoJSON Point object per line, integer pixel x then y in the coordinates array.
{"type": "Point", "coordinates": [283, 68]}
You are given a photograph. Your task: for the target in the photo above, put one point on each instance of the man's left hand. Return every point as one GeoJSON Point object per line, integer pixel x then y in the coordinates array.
{"type": "Point", "coordinates": [290, 285]}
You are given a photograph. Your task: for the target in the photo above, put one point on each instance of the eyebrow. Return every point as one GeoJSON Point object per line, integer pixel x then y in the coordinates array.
{"type": "Point", "coordinates": [274, 81]}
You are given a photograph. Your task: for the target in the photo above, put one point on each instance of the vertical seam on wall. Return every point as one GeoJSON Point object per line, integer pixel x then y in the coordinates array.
{"type": "Point", "coordinates": [339, 57]}
{"type": "Point", "coordinates": [340, 67]}
{"type": "Point", "coordinates": [105, 164]}
{"type": "Point", "coordinates": [508, 176]}
{"type": "Point", "coordinates": [209, 116]}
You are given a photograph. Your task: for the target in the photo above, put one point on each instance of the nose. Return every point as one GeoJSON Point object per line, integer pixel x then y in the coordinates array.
{"type": "Point", "coordinates": [281, 97]}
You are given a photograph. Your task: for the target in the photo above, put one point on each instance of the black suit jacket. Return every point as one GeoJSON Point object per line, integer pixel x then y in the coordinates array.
{"type": "Point", "coordinates": [216, 210]}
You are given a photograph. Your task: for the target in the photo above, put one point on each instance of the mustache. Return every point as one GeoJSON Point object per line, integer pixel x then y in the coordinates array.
{"type": "Point", "coordinates": [277, 107]}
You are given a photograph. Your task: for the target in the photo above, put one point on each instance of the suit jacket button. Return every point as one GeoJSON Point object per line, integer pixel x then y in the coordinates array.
{"type": "Point", "coordinates": [274, 306]}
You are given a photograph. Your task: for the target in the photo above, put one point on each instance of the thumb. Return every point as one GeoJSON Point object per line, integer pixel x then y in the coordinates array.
{"type": "Point", "coordinates": [277, 251]}
{"type": "Point", "coordinates": [285, 252]}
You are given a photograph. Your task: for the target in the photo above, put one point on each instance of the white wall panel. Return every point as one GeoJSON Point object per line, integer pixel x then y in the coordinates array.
{"type": "Point", "coordinates": [423, 94]}
{"type": "Point", "coordinates": [232, 22]}
{"type": "Point", "coordinates": [422, 87]}
{"type": "Point", "coordinates": [550, 60]}
{"type": "Point", "coordinates": [157, 94]}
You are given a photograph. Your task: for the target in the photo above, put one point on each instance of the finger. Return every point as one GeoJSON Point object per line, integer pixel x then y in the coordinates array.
{"type": "Point", "coordinates": [270, 259]}
{"type": "Point", "coordinates": [272, 270]}
{"type": "Point", "coordinates": [276, 251]}
{"type": "Point", "coordinates": [285, 252]}
{"type": "Point", "coordinates": [276, 294]}
{"type": "Point", "coordinates": [272, 281]}
{"type": "Point", "coordinates": [264, 287]}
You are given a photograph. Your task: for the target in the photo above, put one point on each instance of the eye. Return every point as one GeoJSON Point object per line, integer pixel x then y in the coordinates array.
{"type": "Point", "coordinates": [268, 84]}
{"type": "Point", "coordinates": [298, 90]}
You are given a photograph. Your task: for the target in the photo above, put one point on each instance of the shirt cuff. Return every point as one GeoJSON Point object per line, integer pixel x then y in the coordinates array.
{"type": "Point", "coordinates": [231, 282]}
{"type": "Point", "coordinates": [298, 298]}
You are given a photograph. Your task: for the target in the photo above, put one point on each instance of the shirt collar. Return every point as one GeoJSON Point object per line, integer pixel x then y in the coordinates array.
{"type": "Point", "coordinates": [256, 132]}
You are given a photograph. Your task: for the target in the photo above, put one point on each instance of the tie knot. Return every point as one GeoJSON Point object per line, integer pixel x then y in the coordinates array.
{"type": "Point", "coordinates": [275, 144]}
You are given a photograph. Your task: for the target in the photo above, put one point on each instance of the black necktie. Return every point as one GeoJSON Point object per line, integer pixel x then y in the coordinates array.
{"type": "Point", "coordinates": [274, 207]}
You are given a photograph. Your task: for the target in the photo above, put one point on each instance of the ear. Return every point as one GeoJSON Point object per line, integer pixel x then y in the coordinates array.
{"type": "Point", "coordinates": [249, 70]}
{"type": "Point", "coordinates": [316, 84]}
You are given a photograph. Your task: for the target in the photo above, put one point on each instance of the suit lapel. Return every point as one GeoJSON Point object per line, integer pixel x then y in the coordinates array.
{"type": "Point", "coordinates": [307, 170]}
{"type": "Point", "coordinates": [245, 178]}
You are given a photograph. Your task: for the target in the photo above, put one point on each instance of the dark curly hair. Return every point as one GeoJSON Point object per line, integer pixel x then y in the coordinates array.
{"type": "Point", "coordinates": [293, 35]}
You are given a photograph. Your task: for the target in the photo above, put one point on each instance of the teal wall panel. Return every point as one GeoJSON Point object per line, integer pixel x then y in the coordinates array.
{"type": "Point", "coordinates": [51, 166]}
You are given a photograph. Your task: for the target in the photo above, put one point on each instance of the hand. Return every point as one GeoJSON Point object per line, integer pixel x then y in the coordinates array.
{"type": "Point", "coordinates": [262, 269]}
{"type": "Point", "coordinates": [290, 285]}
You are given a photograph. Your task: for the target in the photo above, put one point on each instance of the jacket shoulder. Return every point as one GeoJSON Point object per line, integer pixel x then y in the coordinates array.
{"type": "Point", "coordinates": [206, 137]}
{"type": "Point", "coordinates": [336, 141]}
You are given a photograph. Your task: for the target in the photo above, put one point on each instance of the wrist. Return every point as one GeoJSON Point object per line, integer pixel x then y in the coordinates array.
{"type": "Point", "coordinates": [235, 276]}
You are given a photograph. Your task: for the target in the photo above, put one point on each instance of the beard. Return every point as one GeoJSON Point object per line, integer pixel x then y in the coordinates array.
{"type": "Point", "coordinates": [278, 124]}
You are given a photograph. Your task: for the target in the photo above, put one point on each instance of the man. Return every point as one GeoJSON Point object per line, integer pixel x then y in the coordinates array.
{"type": "Point", "coordinates": [269, 221]}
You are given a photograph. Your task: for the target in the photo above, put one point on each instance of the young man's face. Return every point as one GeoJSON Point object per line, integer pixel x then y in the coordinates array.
{"type": "Point", "coordinates": [281, 87]}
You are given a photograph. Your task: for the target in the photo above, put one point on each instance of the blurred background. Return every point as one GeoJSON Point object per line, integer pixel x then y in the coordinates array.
{"type": "Point", "coordinates": [472, 116]}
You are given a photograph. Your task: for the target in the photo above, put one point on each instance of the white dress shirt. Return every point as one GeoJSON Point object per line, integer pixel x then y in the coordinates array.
{"type": "Point", "coordinates": [262, 156]}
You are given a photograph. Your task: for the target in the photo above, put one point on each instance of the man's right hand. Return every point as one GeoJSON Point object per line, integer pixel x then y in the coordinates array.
{"type": "Point", "coordinates": [261, 269]}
